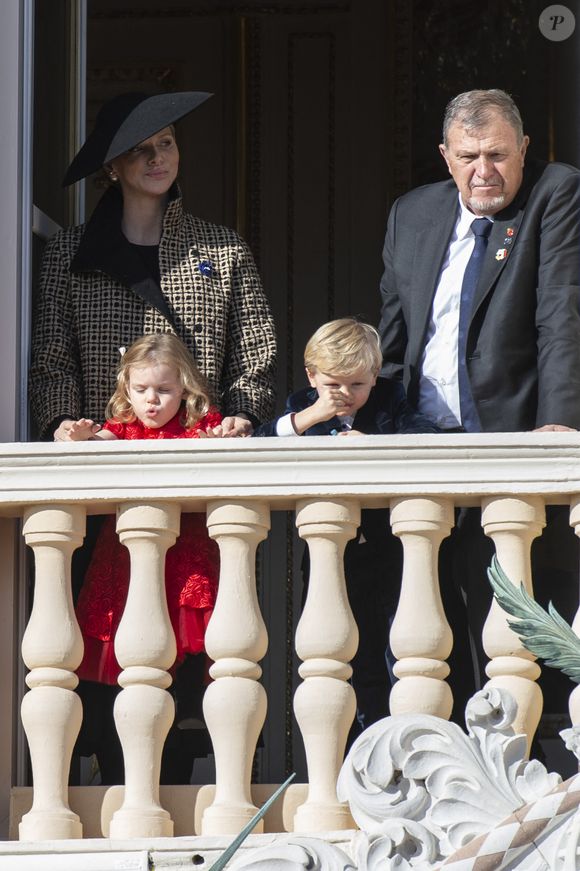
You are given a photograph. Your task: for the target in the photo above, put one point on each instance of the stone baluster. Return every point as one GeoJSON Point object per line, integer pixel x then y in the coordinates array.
{"type": "Point", "coordinates": [574, 701]}
{"type": "Point", "coordinates": [52, 648]}
{"type": "Point", "coordinates": [326, 641]}
{"type": "Point", "coordinates": [420, 635]}
{"type": "Point", "coordinates": [145, 649]}
{"type": "Point", "coordinates": [513, 523]}
{"type": "Point", "coordinates": [236, 639]}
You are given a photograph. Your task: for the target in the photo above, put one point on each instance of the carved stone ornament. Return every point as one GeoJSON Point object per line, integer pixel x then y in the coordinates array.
{"type": "Point", "coordinates": [429, 797]}
{"type": "Point", "coordinates": [421, 789]}
{"type": "Point", "coordinates": [296, 853]}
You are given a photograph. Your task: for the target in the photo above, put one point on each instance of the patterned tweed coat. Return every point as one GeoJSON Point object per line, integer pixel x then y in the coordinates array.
{"type": "Point", "coordinates": [96, 296]}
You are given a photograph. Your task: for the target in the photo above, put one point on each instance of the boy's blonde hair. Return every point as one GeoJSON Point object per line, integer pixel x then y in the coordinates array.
{"type": "Point", "coordinates": [160, 348]}
{"type": "Point", "coordinates": [341, 347]}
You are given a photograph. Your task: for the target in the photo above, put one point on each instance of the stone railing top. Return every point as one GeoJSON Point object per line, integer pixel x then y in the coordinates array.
{"type": "Point", "coordinates": [371, 468]}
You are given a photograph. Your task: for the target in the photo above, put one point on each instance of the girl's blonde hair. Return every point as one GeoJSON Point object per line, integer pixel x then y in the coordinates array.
{"type": "Point", "coordinates": [341, 347]}
{"type": "Point", "coordinates": [160, 348]}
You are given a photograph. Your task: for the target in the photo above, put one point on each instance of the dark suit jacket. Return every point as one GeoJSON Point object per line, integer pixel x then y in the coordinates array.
{"type": "Point", "coordinates": [523, 352]}
{"type": "Point", "coordinates": [385, 411]}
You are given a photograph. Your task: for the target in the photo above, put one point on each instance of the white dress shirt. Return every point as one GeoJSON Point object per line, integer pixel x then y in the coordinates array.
{"type": "Point", "coordinates": [438, 383]}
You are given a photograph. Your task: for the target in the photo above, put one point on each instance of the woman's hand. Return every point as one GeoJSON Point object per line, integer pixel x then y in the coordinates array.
{"type": "Point", "coordinates": [76, 430]}
{"type": "Point", "coordinates": [62, 430]}
{"type": "Point", "coordinates": [238, 426]}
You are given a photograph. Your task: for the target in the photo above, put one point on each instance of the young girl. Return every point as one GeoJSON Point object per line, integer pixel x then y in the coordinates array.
{"type": "Point", "coordinates": [160, 395]}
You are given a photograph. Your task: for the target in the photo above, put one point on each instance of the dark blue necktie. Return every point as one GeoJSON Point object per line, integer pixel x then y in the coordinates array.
{"type": "Point", "coordinates": [481, 229]}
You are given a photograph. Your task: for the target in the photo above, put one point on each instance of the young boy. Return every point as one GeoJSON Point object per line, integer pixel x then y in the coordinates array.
{"type": "Point", "coordinates": [343, 360]}
{"type": "Point", "coordinates": [346, 397]}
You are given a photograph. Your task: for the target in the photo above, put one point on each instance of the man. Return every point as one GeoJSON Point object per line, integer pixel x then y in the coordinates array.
{"type": "Point", "coordinates": [481, 293]}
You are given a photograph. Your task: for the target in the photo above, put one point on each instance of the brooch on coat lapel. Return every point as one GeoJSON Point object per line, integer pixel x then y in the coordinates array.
{"type": "Point", "coordinates": [207, 268]}
{"type": "Point", "coordinates": [502, 253]}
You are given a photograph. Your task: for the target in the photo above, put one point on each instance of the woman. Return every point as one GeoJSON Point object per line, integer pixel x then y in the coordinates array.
{"type": "Point", "coordinates": [143, 265]}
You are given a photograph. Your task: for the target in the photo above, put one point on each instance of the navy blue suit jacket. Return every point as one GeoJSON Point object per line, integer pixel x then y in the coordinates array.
{"type": "Point", "coordinates": [386, 411]}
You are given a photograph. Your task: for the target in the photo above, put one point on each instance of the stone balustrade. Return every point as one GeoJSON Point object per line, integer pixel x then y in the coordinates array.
{"type": "Point", "coordinates": [238, 483]}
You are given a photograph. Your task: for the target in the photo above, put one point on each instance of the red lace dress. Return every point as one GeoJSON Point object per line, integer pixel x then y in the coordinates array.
{"type": "Point", "coordinates": [191, 574]}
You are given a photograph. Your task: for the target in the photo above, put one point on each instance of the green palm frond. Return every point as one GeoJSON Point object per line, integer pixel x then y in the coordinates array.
{"type": "Point", "coordinates": [544, 633]}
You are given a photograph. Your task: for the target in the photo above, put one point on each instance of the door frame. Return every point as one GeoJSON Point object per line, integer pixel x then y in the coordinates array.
{"type": "Point", "coordinates": [19, 221]}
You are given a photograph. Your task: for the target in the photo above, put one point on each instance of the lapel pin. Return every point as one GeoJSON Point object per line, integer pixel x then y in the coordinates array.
{"type": "Point", "coordinates": [501, 254]}
{"type": "Point", "coordinates": [206, 268]}
{"type": "Point", "coordinates": [509, 231]}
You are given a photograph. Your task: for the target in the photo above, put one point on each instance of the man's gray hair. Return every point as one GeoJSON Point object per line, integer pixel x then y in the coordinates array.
{"type": "Point", "coordinates": [474, 110]}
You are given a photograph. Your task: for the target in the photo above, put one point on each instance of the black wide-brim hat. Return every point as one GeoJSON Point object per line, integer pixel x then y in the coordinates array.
{"type": "Point", "coordinates": [124, 122]}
